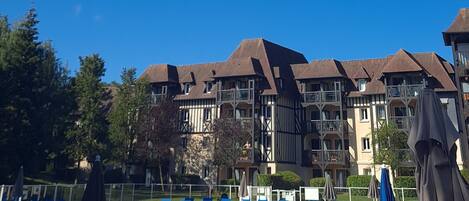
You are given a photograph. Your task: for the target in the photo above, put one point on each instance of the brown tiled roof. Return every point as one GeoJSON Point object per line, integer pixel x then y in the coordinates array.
{"type": "Point", "coordinates": [187, 77]}
{"type": "Point", "coordinates": [435, 68]}
{"type": "Point", "coordinates": [318, 69]}
{"type": "Point", "coordinates": [161, 73]}
{"type": "Point", "coordinates": [360, 73]}
{"type": "Point", "coordinates": [460, 25]}
{"type": "Point", "coordinates": [402, 62]}
{"type": "Point", "coordinates": [239, 67]}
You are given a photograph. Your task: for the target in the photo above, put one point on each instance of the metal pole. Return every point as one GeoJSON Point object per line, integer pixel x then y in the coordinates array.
{"type": "Point", "coordinates": [151, 191]}
{"type": "Point", "coordinates": [170, 191]}
{"type": "Point", "coordinates": [1, 192]}
{"type": "Point", "coordinates": [45, 191]}
{"type": "Point", "coordinates": [403, 197]}
{"type": "Point", "coordinates": [230, 192]}
{"type": "Point", "coordinates": [133, 191]}
{"type": "Point", "coordinates": [350, 194]}
{"type": "Point", "coordinates": [55, 193]}
{"type": "Point", "coordinates": [70, 194]}
{"type": "Point", "coordinates": [110, 192]}
{"type": "Point", "coordinates": [300, 193]}
{"type": "Point", "coordinates": [122, 191]}
{"type": "Point", "coordinates": [190, 190]}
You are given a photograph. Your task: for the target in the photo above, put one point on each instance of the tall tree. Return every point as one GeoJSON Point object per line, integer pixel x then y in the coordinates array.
{"type": "Point", "coordinates": [131, 98]}
{"type": "Point", "coordinates": [158, 135]}
{"type": "Point", "coordinates": [89, 135]}
{"type": "Point", "coordinates": [392, 146]}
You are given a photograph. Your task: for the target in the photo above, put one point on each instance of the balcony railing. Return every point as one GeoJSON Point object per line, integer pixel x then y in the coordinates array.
{"type": "Point", "coordinates": [235, 95]}
{"type": "Point", "coordinates": [246, 155]}
{"type": "Point", "coordinates": [328, 156]}
{"type": "Point", "coordinates": [403, 91]}
{"type": "Point", "coordinates": [325, 126]}
{"type": "Point", "coordinates": [157, 98]}
{"type": "Point", "coordinates": [321, 96]}
{"type": "Point", "coordinates": [463, 58]}
{"type": "Point", "coordinates": [402, 122]}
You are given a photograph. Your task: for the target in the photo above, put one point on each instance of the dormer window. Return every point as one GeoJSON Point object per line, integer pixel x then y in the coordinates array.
{"type": "Point", "coordinates": [186, 88]}
{"type": "Point", "coordinates": [361, 85]}
{"type": "Point", "coordinates": [208, 87]}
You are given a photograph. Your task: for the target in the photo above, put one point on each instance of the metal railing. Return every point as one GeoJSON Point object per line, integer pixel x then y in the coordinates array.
{"type": "Point", "coordinates": [324, 126]}
{"type": "Point", "coordinates": [321, 96]}
{"type": "Point", "coordinates": [137, 192]}
{"type": "Point", "coordinates": [328, 156]}
{"type": "Point", "coordinates": [235, 95]}
{"type": "Point", "coordinates": [403, 91]}
{"type": "Point", "coordinates": [402, 122]}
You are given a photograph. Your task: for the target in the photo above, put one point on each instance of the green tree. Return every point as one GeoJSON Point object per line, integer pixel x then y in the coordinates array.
{"type": "Point", "coordinates": [392, 146]}
{"type": "Point", "coordinates": [89, 135]}
{"type": "Point", "coordinates": [130, 99]}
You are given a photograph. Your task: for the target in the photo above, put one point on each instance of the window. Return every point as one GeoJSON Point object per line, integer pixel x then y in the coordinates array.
{"type": "Point", "coordinates": [400, 111]}
{"type": "Point", "coordinates": [186, 88]}
{"type": "Point", "coordinates": [364, 114]}
{"type": "Point", "coordinates": [380, 112]}
{"type": "Point", "coordinates": [361, 84]}
{"type": "Point", "coordinates": [269, 170]}
{"type": "Point", "coordinates": [268, 141]}
{"type": "Point", "coordinates": [208, 87]}
{"type": "Point", "coordinates": [207, 114]}
{"type": "Point", "coordinates": [206, 171]}
{"type": "Point", "coordinates": [184, 115]}
{"type": "Point", "coordinates": [366, 144]}
{"type": "Point", "coordinates": [366, 171]}
{"type": "Point", "coordinates": [268, 112]}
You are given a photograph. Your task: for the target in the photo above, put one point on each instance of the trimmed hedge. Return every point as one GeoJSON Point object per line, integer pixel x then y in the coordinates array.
{"type": "Point", "coordinates": [317, 182]}
{"type": "Point", "coordinates": [359, 181]}
{"type": "Point", "coordinates": [406, 182]}
{"type": "Point", "coordinates": [229, 182]}
{"type": "Point", "coordinates": [465, 174]}
{"type": "Point", "coordinates": [282, 180]}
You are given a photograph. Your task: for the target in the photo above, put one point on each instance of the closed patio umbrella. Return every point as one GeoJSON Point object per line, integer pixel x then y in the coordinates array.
{"type": "Point", "coordinates": [18, 188]}
{"type": "Point", "coordinates": [329, 193]}
{"type": "Point", "coordinates": [385, 191]}
{"type": "Point", "coordinates": [432, 142]}
{"type": "Point", "coordinates": [95, 186]}
{"type": "Point", "coordinates": [243, 187]}
{"type": "Point", "coordinates": [373, 188]}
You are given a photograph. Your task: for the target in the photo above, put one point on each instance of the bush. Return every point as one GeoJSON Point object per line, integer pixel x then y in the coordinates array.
{"type": "Point", "coordinates": [287, 180]}
{"type": "Point", "coordinates": [264, 180]}
{"type": "Point", "coordinates": [229, 182]}
{"type": "Point", "coordinates": [186, 179]}
{"type": "Point", "coordinates": [317, 182]}
{"type": "Point", "coordinates": [465, 174]}
{"type": "Point", "coordinates": [406, 182]}
{"type": "Point", "coordinates": [359, 181]}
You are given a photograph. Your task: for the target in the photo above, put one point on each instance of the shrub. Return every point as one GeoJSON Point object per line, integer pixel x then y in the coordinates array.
{"type": "Point", "coordinates": [359, 181]}
{"type": "Point", "coordinates": [317, 182]}
{"type": "Point", "coordinates": [264, 180]}
{"type": "Point", "coordinates": [465, 174]}
{"type": "Point", "coordinates": [229, 182]}
{"type": "Point", "coordinates": [186, 179]}
{"type": "Point", "coordinates": [406, 182]}
{"type": "Point", "coordinates": [287, 180]}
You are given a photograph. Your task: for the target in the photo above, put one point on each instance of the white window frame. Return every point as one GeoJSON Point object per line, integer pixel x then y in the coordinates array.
{"type": "Point", "coordinates": [186, 88]}
{"type": "Point", "coordinates": [377, 112]}
{"type": "Point", "coordinates": [364, 117]}
{"type": "Point", "coordinates": [208, 87]}
{"type": "Point", "coordinates": [184, 115]}
{"type": "Point", "coordinates": [361, 85]}
{"type": "Point", "coordinates": [366, 144]}
{"type": "Point", "coordinates": [207, 114]}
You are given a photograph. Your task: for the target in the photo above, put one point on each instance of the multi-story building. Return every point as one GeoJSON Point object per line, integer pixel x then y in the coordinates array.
{"type": "Point", "coordinates": [457, 36]}
{"type": "Point", "coordinates": [314, 117]}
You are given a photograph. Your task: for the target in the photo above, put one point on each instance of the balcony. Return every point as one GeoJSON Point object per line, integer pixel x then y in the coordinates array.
{"type": "Point", "coordinates": [402, 122]}
{"type": "Point", "coordinates": [403, 91]}
{"type": "Point", "coordinates": [235, 95]}
{"type": "Point", "coordinates": [155, 99]}
{"type": "Point", "coordinates": [316, 157]}
{"type": "Point", "coordinates": [314, 97]}
{"type": "Point", "coordinates": [326, 126]}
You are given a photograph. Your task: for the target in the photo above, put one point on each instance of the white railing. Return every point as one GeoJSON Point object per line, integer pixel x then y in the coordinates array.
{"type": "Point", "coordinates": [137, 192]}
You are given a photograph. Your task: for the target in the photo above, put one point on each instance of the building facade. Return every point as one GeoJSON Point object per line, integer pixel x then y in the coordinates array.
{"type": "Point", "coordinates": [314, 117]}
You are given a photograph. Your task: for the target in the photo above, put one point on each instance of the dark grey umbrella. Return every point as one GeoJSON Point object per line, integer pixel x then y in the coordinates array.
{"type": "Point", "coordinates": [95, 186]}
{"type": "Point", "coordinates": [373, 192]}
{"type": "Point", "coordinates": [17, 193]}
{"type": "Point", "coordinates": [432, 142]}
{"type": "Point", "coordinates": [243, 187]}
{"type": "Point", "coordinates": [329, 193]}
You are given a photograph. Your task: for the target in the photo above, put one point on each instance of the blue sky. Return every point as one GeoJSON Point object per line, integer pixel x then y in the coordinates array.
{"type": "Point", "coordinates": [140, 33]}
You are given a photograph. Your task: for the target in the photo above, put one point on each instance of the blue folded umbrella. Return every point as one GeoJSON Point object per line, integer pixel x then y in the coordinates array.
{"type": "Point", "coordinates": [225, 199]}
{"type": "Point", "coordinates": [385, 191]}
{"type": "Point", "coordinates": [207, 199]}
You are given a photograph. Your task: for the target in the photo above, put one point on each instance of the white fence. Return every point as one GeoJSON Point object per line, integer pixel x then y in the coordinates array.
{"type": "Point", "coordinates": [177, 192]}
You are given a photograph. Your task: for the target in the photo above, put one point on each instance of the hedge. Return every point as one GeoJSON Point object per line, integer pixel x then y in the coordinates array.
{"type": "Point", "coordinates": [186, 179]}
{"type": "Point", "coordinates": [317, 182]}
{"type": "Point", "coordinates": [359, 181]}
{"type": "Point", "coordinates": [465, 174]}
{"type": "Point", "coordinates": [406, 182]}
{"type": "Point", "coordinates": [229, 182]}
{"type": "Point", "coordinates": [282, 180]}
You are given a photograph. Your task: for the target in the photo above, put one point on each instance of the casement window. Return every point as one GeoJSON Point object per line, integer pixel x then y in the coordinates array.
{"type": "Point", "coordinates": [364, 114]}
{"type": "Point", "coordinates": [206, 171]}
{"type": "Point", "coordinates": [207, 116]}
{"type": "Point", "coordinates": [186, 88]}
{"type": "Point", "coordinates": [366, 146]}
{"type": "Point", "coordinates": [208, 87]}
{"type": "Point", "coordinates": [380, 112]}
{"type": "Point", "coordinates": [184, 115]}
{"type": "Point", "coordinates": [361, 84]}
{"type": "Point", "coordinates": [366, 171]}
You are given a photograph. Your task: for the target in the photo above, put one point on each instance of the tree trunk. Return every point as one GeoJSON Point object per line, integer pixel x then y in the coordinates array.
{"type": "Point", "coordinates": [161, 177]}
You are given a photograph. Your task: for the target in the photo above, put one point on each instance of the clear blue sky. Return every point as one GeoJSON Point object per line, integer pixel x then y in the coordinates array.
{"type": "Point", "coordinates": [140, 33]}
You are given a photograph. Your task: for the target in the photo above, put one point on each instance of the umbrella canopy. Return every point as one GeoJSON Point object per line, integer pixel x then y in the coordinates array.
{"type": "Point", "coordinates": [18, 188]}
{"type": "Point", "coordinates": [385, 191]}
{"type": "Point", "coordinates": [329, 193]}
{"type": "Point", "coordinates": [243, 187]}
{"type": "Point", "coordinates": [432, 142]}
{"type": "Point", "coordinates": [373, 188]}
{"type": "Point", "coordinates": [95, 186]}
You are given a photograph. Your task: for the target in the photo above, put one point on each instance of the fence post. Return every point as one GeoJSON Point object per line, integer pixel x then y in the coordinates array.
{"type": "Point", "coordinates": [350, 194]}
{"type": "Point", "coordinates": [190, 190]}
{"type": "Point", "coordinates": [122, 191]}
{"type": "Point", "coordinates": [230, 191]}
{"type": "Point", "coordinates": [402, 191]}
{"type": "Point", "coordinates": [170, 191]}
{"type": "Point", "coordinates": [55, 193]}
{"type": "Point", "coordinates": [300, 193]}
{"type": "Point", "coordinates": [70, 194]}
{"type": "Point", "coordinates": [151, 191]}
{"type": "Point", "coordinates": [110, 191]}
{"type": "Point", "coordinates": [133, 191]}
